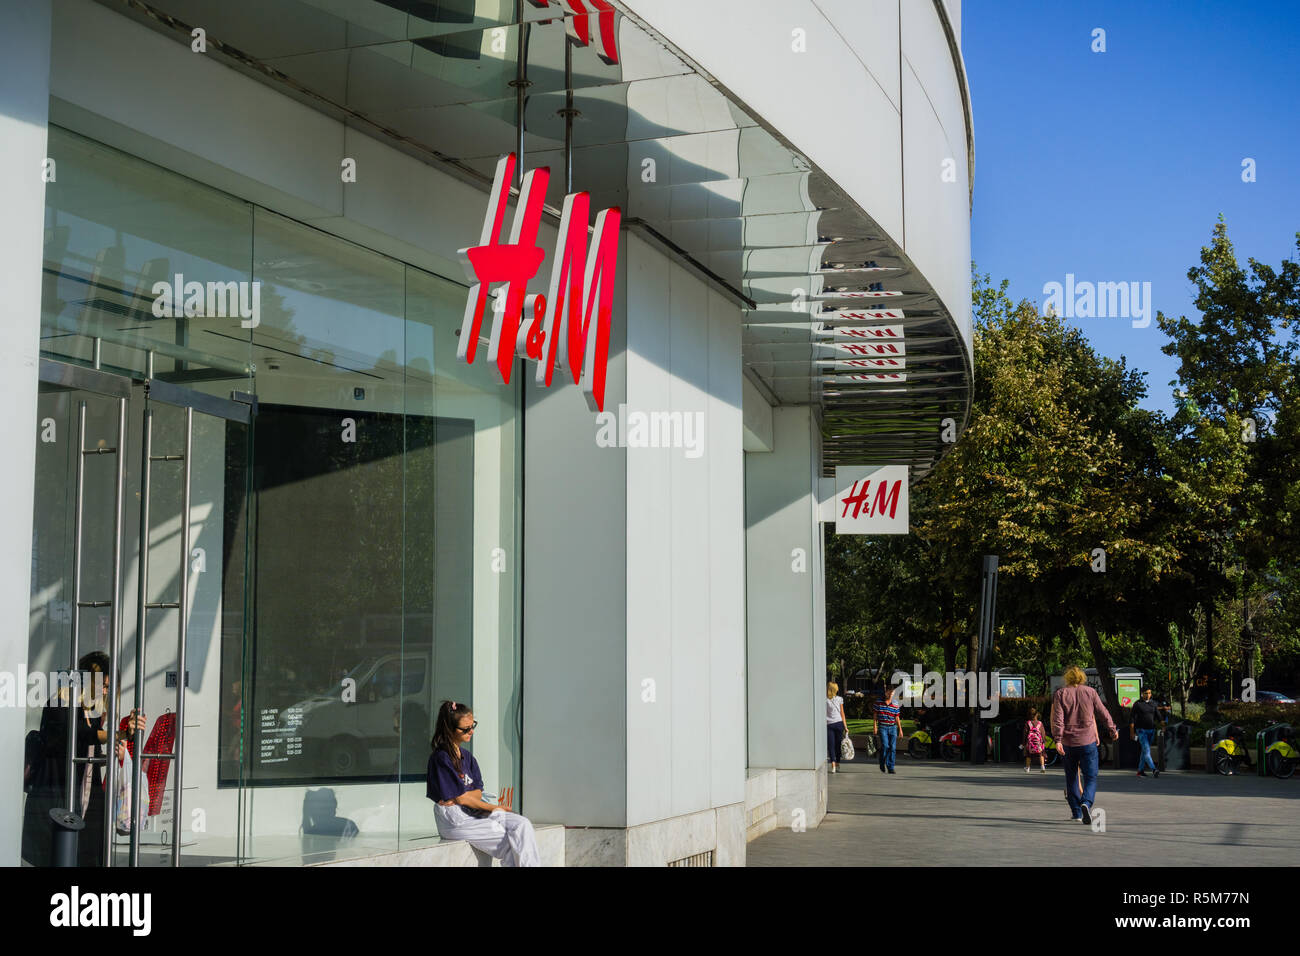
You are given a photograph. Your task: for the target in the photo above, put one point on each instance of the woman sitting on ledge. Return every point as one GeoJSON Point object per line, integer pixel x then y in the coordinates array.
{"type": "Point", "coordinates": [455, 786]}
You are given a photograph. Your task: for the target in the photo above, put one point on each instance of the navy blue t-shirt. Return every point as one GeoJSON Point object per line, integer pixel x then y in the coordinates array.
{"type": "Point", "coordinates": [443, 781]}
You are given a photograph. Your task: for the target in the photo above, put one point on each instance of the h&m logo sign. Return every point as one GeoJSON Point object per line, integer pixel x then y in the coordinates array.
{"type": "Point", "coordinates": [871, 500]}
{"type": "Point", "coordinates": [582, 278]}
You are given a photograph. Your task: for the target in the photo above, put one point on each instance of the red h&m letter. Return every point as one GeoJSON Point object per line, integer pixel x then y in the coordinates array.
{"type": "Point", "coordinates": [886, 498]}
{"type": "Point", "coordinates": [513, 263]}
{"type": "Point", "coordinates": [582, 279]}
{"type": "Point", "coordinates": [578, 25]}
{"type": "Point", "coordinates": [858, 499]}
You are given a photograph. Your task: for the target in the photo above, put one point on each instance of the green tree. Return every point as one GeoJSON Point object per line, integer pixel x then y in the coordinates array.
{"type": "Point", "coordinates": [1054, 475]}
{"type": "Point", "coordinates": [1230, 456]}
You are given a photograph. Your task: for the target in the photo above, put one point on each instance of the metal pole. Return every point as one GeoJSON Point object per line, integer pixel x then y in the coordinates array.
{"type": "Point", "coordinates": [569, 113]}
{"type": "Point", "coordinates": [520, 83]}
{"type": "Point", "coordinates": [74, 647]}
{"type": "Point", "coordinates": [137, 769]}
{"type": "Point", "coordinates": [115, 636]}
{"type": "Point", "coordinates": [988, 611]}
{"type": "Point", "coordinates": [178, 764]}
{"type": "Point", "coordinates": [984, 661]}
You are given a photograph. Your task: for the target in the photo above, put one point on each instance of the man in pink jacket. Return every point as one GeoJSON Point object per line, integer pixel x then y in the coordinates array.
{"type": "Point", "coordinates": [1075, 709]}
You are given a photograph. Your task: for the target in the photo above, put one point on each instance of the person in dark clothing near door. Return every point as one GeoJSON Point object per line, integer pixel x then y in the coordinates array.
{"type": "Point", "coordinates": [83, 703]}
{"type": "Point", "coordinates": [1144, 717]}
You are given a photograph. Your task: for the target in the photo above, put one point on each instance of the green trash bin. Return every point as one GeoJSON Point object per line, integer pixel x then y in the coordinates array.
{"type": "Point", "coordinates": [1175, 746]}
{"type": "Point", "coordinates": [1006, 740]}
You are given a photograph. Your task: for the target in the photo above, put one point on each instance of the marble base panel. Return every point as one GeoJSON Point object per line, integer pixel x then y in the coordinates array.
{"type": "Point", "coordinates": [550, 845]}
{"type": "Point", "coordinates": [801, 790]}
{"type": "Point", "coordinates": [720, 830]}
{"type": "Point", "coordinates": [730, 850]}
{"type": "Point", "coordinates": [760, 802]}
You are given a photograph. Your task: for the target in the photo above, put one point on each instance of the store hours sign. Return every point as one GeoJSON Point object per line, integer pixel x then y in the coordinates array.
{"type": "Point", "coordinates": [569, 326]}
{"type": "Point", "coordinates": [871, 500]}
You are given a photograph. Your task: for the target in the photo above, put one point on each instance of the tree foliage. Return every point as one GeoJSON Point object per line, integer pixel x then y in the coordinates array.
{"type": "Point", "coordinates": [1062, 473]}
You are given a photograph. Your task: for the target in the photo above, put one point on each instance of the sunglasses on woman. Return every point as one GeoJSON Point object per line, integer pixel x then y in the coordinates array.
{"type": "Point", "coordinates": [465, 730]}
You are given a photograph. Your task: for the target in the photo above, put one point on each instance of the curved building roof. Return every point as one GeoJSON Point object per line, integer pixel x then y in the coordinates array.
{"type": "Point", "coordinates": [811, 157]}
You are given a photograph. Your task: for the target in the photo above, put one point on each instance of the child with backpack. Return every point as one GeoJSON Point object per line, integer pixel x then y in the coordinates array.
{"type": "Point", "coordinates": [1032, 741]}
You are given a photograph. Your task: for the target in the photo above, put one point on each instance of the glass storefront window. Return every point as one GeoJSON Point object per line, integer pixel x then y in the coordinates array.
{"type": "Point", "coordinates": [461, 560]}
{"type": "Point", "coordinates": [358, 537]}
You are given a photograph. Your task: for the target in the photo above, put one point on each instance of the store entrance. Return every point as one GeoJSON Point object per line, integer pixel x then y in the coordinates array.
{"type": "Point", "coordinates": [138, 583]}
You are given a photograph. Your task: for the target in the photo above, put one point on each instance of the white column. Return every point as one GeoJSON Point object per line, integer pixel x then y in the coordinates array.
{"type": "Point", "coordinates": [634, 585]}
{"type": "Point", "coordinates": [24, 108]}
{"type": "Point", "coordinates": [575, 599]}
{"type": "Point", "coordinates": [786, 631]}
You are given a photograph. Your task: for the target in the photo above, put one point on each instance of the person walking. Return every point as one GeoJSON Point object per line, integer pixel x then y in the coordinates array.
{"type": "Point", "coordinates": [1142, 727]}
{"type": "Point", "coordinates": [886, 724]}
{"type": "Point", "coordinates": [1031, 741]}
{"type": "Point", "coordinates": [837, 725]}
{"type": "Point", "coordinates": [1076, 709]}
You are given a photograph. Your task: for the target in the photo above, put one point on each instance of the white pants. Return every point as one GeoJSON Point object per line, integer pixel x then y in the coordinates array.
{"type": "Point", "coordinates": [507, 836]}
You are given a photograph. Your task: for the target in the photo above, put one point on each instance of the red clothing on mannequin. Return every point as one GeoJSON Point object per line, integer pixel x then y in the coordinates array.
{"type": "Point", "coordinates": [162, 740]}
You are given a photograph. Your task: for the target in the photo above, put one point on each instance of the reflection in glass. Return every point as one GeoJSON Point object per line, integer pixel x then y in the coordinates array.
{"type": "Point", "coordinates": [347, 577]}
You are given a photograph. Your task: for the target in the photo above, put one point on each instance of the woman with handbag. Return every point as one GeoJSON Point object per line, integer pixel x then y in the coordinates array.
{"type": "Point", "coordinates": [837, 725]}
{"type": "Point", "coordinates": [47, 786]}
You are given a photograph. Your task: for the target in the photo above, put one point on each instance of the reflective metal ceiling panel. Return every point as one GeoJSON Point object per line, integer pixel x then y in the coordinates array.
{"type": "Point", "coordinates": [818, 279]}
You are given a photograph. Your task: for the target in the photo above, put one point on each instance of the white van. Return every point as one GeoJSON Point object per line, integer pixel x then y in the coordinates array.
{"type": "Point", "coordinates": [354, 730]}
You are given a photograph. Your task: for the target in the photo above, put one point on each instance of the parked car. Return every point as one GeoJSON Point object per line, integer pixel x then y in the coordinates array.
{"type": "Point", "coordinates": [1273, 697]}
{"type": "Point", "coordinates": [329, 736]}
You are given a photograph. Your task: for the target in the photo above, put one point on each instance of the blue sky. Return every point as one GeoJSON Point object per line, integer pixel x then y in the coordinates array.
{"type": "Point", "coordinates": [1114, 166]}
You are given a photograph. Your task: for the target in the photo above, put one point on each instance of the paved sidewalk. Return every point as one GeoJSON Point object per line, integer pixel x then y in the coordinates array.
{"type": "Point", "coordinates": [932, 813]}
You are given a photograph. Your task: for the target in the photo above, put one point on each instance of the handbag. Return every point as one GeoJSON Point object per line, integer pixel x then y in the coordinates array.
{"type": "Point", "coordinates": [122, 801]}
{"type": "Point", "coordinates": [846, 748]}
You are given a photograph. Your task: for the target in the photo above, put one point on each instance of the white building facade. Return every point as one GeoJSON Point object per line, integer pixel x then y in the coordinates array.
{"type": "Point", "coordinates": [329, 521]}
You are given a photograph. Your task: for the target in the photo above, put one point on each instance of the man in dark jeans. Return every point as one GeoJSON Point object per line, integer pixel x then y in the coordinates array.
{"type": "Point", "coordinates": [1077, 715]}
{"type": "Point", "coordinates": [1142, 727]}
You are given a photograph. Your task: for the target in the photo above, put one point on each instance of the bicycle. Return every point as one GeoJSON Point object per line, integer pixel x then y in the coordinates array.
{"type": "Point", "coordinates": [919, 744]}
{"type": "Point", "coordinates": [952, 745]}
{"type": "Point", "coordinates": [1281, 756]}
{"type": "Point", "coordinates": [1231, 753]}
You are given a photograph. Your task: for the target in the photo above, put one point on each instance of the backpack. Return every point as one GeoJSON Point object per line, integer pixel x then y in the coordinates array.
{"type": "Point", "coordinates": [1034, 737]}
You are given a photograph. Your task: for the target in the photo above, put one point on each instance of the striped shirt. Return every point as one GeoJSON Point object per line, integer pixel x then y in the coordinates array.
{"type": "Point", "coordinates": [886, 713]}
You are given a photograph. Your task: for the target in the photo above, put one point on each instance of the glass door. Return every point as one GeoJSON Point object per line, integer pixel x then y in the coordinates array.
{"type": "Point", "coordinates": [187, 599]}
{"type": "Point", "coordinates": [75, 625]}
{"type": "Point", "coordinates": [139, 598]}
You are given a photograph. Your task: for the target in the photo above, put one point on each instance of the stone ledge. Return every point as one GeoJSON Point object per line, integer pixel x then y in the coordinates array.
{"type": "Point", "coordinates": [720, 830]}
{"type": "Point", "coordinates": [550, 844]}
{"type": "Point", "coordinates": [760, 802]}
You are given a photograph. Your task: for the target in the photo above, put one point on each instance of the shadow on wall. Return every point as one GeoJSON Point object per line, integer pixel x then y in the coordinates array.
{"type": "Point", "coordinates": [323, 829]}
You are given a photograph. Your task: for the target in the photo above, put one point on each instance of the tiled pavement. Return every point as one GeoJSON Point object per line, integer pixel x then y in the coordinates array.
{"type": "Point", "coordinates": [936, 813]}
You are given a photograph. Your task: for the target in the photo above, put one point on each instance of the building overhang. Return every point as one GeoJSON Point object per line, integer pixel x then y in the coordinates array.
{"type": "Point", "coordinates": [652, 133]}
